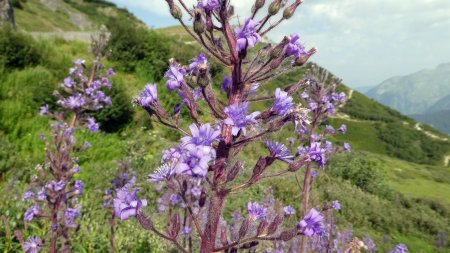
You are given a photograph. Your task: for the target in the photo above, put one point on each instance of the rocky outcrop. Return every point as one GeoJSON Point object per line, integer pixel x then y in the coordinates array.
{"type": "Point", "coordinates": [7, 13]}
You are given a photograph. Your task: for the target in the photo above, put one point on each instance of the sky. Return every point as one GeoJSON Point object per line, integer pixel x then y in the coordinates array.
{"type": "Point", "coordinates": [364, 42]}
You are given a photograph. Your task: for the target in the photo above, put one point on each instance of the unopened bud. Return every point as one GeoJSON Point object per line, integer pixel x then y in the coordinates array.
{"type": "Point", "coordinates": [199, 24]}
{"type": "Point", "coordinates": [203, 78]}
{"type": "Point", "coordinates": [289, 11]}
{"type": "Point", "coordinates": [288, 234]}
{"type": "Point", "coordinates": [244, 228]}
{"type": "Point", "coordinates": [176, 11]}
{"type": "Point", "coordinates": [259, 4]}
{"type": "Point", "coordinates": [234, 171]}
{"type": "Point", "coordinates": [279, 49]}
{"type": "Point", "coordinates": [276, 63]}
{"type": "Point", "coordinates": [302, 59]}
{"type": "Point", "coordinates": [274, 7]}
{"type": "Point", "coordinates": [261, 227]}
{"type": "Point", "coordinates": [231, 11]}
{"type": "Point", "coordinates": [202, 200]}
{"type": "Point", "coordinates": [274, 225]}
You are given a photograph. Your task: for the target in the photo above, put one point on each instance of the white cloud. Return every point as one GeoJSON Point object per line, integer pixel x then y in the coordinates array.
{"type": "Point", "coordinates": [362, 41]}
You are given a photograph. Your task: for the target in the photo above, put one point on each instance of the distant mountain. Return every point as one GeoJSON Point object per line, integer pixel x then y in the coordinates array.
{"type": "Point", "coordinates": [416, 93]}
{"type": "Point", "coordinates": [364, 89]}
{"type": "Point", "coordinates": [437, 119]}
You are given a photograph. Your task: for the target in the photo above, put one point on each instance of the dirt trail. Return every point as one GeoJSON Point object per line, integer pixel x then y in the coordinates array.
{"type": "Point", "coordinates": [431, 135]}
{"type": "Point", "coordinates": [83, 36]}
{"type": "Point", "coordinates": [446, 160]}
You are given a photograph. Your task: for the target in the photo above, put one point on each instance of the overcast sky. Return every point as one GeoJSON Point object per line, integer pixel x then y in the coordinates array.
{"type": "Point", "coordinates": [362, 41]}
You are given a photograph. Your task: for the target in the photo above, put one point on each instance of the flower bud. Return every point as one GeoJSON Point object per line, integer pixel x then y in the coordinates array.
{"type": "Point", "coordinates": [234, 171]}
{"type": "Point", "coordinates": [231, 11]}
{"type": "Point", "coordinates": [176, 11]}
{"type": "Point", "coordinates": [144, 221]}
{"type": "Point", "coordinates": [244, 228]}
{"type": "Point", "coordinates": [259, 4]}
{"type": "Point", "coordinates": [274, 7]}
{"type": "Point", "coordinates": [199, 24]}
{"type": "Point", "coordinates": [288, 234]}
{"type": "Point", "coordinates": [202, 200]}
{"type": "Point", "coordinates": [261, 227]}
{"type": "Point", "coordinates": [276, 63]}
{"type": "Point", "coordinates": [279, 49]}
{"type": "Point", "coordinates": [274, 225]}
{"type": "Point", "coordinates": [203, 78]}
{"type": "Point", "coordinates": [289, 11]}
{"type": "Point", "coordinates": [175, 225]}
{"type": "Point", "coordinates": [302, 59]}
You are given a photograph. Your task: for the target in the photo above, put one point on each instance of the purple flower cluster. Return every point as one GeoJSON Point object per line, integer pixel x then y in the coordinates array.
{"type": "Point", "coordinates": [312, 223]}
{"type": "Point", "coordinates": [279, 151]}
{"type": "Point", "coordinates": [256, 211]}
{"type": "Point", "coordinates": [148, 96]}
{"type": "Point", "coordinates": [127, 204]}
{"type": "Point", "coordinates": [283, 102]}
{"type": "Point", "coordinates": [32, 245]}
{"type": "Point", "coordinates": [209, 5]}
{"type": "Point", "coordinates": [316, 152]}
{"type": "Point", "coordinates": [294, 47]}
{"type": "Point", "coordinates": [238, 118]}
{"type": "Point", "coordinates": [197, 62]}
{"type": "Point", "coordinates": [175, 76]}
{"type": "Point", "coordinates": [400, 248]}
{"type": "Point", "coordinates": [247, 37]}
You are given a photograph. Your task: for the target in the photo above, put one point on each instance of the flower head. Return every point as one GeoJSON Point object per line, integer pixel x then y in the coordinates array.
{"type": "Point", "coordinates": [256, 211]}
{"type": "Point", "coordinates": [111, 72]}
{"type": "Point", "coordinates": [194, 161]}
{"type": "Point", "coordinates": [162, 173]}
{"type": "Point", "coordinates": [226, 84]}
{"type": "Point", "coordinates": [175, 76]}
{"type": "Point", "coordinates": [70, 215]}
{"type": "Point", "coordinates": [148, 95]}
{"type": "Point", "coordinates": [238, 118]}
{"type": "Point", "coordinates": [197, 62]}
{"type": "Point", "coordinates": [279, 151]}
{"type": "Point", "coordinates": [32, 245]}
{"type": "Point", "coordinates": [31, 212]}
{"type": "Point", "coordinates": [347, 147]}
{"type": "Point", "coordinates": [400, 248]}
{"type": "Point", "coordinates": [127, 204]}
{"type": "Point", "coordinates": [283, 102]}
{"type": "Point", "coordinates": [205, 135]}
{"type": "Point", "coordinates": [28, 195]}
{"type": "Point", "coordinates": [78, 187]}
{"type": "Point", "coordinates": [294, 47]}
{"type": "Point", "coordinates": [92, 125]}
{"type": "Point", "coordinates": [311, 224]}
{"type": "Point", "coordinates": [343, 129]}
{"type": "Point", "coordinates": [209, 5]}
{"type": "Point", "coordinates": [73, 102]}
{"type": "Point", "coordinates": [317, 153]}
{"type": "Point", "coordinates": [288, 210]}
{"type": "Point", "coordinates": [43, 110]}
{"type": "Point", "coordinates": [247, 37]}
{"type": "Point", "coordinates": [336, 205]}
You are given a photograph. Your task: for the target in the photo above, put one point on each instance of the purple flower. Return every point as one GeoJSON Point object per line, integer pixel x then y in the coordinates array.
{"type": "Point", "coordinates": [32, 245]}
{"type": "Point", "coordinates": [87, 144]}
{"type": "Point", "coordinates": [197, 62]}
{"type": "Point", "coordinates": [209, 5]}
{"type": "Point", "coordinates": [338, 97]}
{"type": "Point", "coordinates": [72, 102]}
{"type": "Point", "coordinates": [56, 186]}
{"type": "Point", "coordinates": [256, 211]}
{"type": "Point", "coordinates": [31, 212]}
{"type": "Point", "coordinates": [194, 161]}
{"type": "Point", "coordinates": [69, 82]}
{"type": "Point", "coordinates": [347, 147]}
{"type": "Point", "coordinates": [294, 47]}
{"type": "Point", "coordinates": [79, 62]}
{"type": "Point", "coordinates": [289, 210]}
{"type": "Point", "coordinates": [175, 199]}
{"type": "Point", "coordinates": [253, 88]}
{"type": "Point", "coordinates": [314, 174]}
{"type": "Point", "coordinates": [70, 215]}
{"type": "Point", "coordinates": [283, 102]}
{"type": "Point", "coordinates": [316, 153]}
{"type": "Point", "coordinates": [342, 129]}
{"type": "Point", "coordinates": [400, 248]}
{"type": "Point", "coordinates": [148, 95]}
{"type": "Point", "coordinates": [78, 187]}
{"type": "Point", "coordinates": [279, 151]}
{"type": "Point", "coordinates": [313, 106]}
{"type": "Point", "coordinates": [41, 195]}
{"type": "Point", "coordinates": [127, 204]}
{"type": "Point", "coordinates": [247, 37]}
{"type": "Point", "coordinates": [172, 154]}
{"type": "Point", "coordinates": [28, 195]}
{"type": "Point", "coordinates": [205, 135]}
{"type": "Point", "coordinates": [311, 224]}
{"type": "Point", "coordinates": [329, 129]}
{"type": "Point", "coordinates": [186, 231]}
{"type": "Point", "coordinates": [336, 205]}
{"type": "Point", "coordinates": [226, 84]}
{"type": "Point", "coordinates": [328, 146]}
{"type": "Point", "coordinates": [162, 173]}
{"type": "Point", "coordinates": [92, 125]}
{"type": "Point", "coordinates": [111, 72]}
{"type": "Point", "coordinates": [238, 118]}
{"type": "Point", "coordinates": [43, 110]}
{"type": "Point", "coordinates": [370, 244]}
{"type": "Point", "coordinates": [175, 74]}
{"type": "Point", "coordinates": [196, 191]}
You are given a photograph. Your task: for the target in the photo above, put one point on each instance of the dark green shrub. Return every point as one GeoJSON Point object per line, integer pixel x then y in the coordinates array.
{"type": "Point", "coordinates": [134, 47]}
{"type": "Point", "coordinates": [17, 50]}
{"type": "Point", "coordinates": [116, 116]}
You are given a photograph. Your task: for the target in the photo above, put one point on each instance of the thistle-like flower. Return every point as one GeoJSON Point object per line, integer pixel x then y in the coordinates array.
{"type": "Point", "coordinates": [32, 245]}
{"type": "Point", "coordinates": [148, 96]}
{"type": "Point", "coordinates": [238, 118]}
{"type": "Point", "coordinates": [311, 224]}
{"type": "Point", "coordinates": [175, 76]}
{"type": "Point", "coordinates": [283, 102]}
{"type": "Point", "coordinates": [256, 211]}
{"type": "Point", "coordinates": [247, 37]}
{"type": "Point", "coordinates": [164, 172]}
{"type": "Point", "coordinates": [279, 151]}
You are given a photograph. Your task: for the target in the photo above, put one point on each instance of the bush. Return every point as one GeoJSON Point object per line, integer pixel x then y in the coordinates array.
{"type": "Point", "coordinates": [119, 114]}
{"type": "Point", "coordinates": [132, 47]}
{"type": "Point", "coordinates": [17, 50]}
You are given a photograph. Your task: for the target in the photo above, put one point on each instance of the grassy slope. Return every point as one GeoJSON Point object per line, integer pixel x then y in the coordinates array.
{"type": "Point", "coordinates": [20, 125]}
{"type": "Point", "coordinates": [34, 16]}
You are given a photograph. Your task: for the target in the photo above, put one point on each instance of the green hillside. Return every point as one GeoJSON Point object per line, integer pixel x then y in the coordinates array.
{"type": "Point", "coordinates": [393, 185]}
